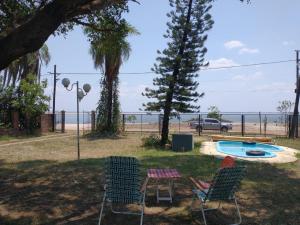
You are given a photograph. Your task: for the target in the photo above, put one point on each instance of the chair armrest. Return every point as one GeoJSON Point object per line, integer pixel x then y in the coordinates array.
{"type": "Point", "coordinates": [201, 185]}
{"type": "Point", "coordinates": [195, 182]}
{"type": "Point", "coordinates": [144, 186]}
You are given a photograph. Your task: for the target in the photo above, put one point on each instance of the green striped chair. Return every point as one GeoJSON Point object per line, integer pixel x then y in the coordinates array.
{"type": "Point", "coordinates": [222, 188]}
{"type": "Point", "coordinates": [123, 185]}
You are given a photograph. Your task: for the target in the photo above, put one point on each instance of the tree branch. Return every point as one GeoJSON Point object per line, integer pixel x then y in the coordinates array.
{"type": "Point", "coordinates": [33, 33]}
{"type": "Point", "coordinates": [79, 22]}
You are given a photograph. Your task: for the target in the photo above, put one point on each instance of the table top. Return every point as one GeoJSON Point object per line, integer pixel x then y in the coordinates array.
{"type": "Point", "coordinates": [163, 173]}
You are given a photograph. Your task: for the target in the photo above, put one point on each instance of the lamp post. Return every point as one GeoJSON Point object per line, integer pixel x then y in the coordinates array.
{"type": "Point", "coordinates": [79, 96]}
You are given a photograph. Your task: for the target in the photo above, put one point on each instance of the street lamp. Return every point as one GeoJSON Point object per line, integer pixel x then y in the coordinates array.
{"type": "Point", "coordinates": [79, 96]}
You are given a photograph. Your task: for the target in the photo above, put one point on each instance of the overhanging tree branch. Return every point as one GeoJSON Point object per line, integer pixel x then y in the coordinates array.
{"type": "Point", "coordinates": [32, 34]}
{"type": "Point", "coordinates": [90, 25]}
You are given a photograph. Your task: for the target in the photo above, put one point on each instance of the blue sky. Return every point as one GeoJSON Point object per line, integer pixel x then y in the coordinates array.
{"type": "Point", "coordinates": [263, 31]}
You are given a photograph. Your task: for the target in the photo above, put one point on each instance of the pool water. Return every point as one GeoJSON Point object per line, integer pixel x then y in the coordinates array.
{"type": "Point", "coordinates": [238, 148]}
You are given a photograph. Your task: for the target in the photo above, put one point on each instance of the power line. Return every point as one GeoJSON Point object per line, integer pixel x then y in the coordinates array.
{"type": "Point", "coordinates": [203, 69]}
{"type": "Point", "coordinates": [248, 65]}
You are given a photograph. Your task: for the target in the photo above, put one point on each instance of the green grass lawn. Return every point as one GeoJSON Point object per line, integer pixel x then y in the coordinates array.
{"type": "Point", "coordinates": [43, 183]}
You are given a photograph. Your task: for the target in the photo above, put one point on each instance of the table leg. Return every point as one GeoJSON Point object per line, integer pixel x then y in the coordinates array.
{"type": "Point", "coordinates": [157, 194]}
{"type": "Point", "coordinates": [170, 192]}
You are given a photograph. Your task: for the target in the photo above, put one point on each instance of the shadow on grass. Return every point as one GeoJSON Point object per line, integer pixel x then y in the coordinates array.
{"type": "Point", "coordinates": [48, 192]}
{"type": "Point", "coordinates": [94, 136]}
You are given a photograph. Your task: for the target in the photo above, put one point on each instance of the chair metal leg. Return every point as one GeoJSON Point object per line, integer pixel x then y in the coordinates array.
{"type": "Point", "coordinates": [143, 206]}
{"type": "Point", "coordinates": [238, 211]}
{"type": "Point", "coordinates": [102, 206]}
{"type": "Point", "coordinates": [203, 213]}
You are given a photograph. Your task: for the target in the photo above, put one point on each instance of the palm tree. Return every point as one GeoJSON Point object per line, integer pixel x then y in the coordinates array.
{"type": "Point", "coordinates": [22, 67]}
{"type": "Point", "coordinates": [109, 50]}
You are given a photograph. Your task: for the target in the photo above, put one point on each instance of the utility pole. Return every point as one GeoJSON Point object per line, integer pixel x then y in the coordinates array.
{"type": "Point", "coordinates": [54, 94]}
{"type": "Point", "coordinates": [294, 128]}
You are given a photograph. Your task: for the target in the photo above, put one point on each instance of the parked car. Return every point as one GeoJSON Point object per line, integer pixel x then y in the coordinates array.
{"type": "Point", "coordinates": [210, 124]}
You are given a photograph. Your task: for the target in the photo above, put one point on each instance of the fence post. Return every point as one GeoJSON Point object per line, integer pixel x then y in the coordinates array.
{"type": "Point", "coordinates": [178, 123]}
{"type": "Point", "coordinates": [63, 121]}
{"type": "Point", "coordinates": [123, 122]}
{"type": "Point", "coordinates": [259, 122]}
{"type": "Point", "coordinates": [289, 124]}
{"type": "Point", "coordinates": [199, 120]}
{"type": "Point", "coordinates": [141, 124]}
{"type": "Point", "coordinates": [93, 121]}
{"type": "Point", "coordinates": [15, 120]}
{"type": "Point", "coordinates": [220, 124]}
{"type": "Point", "coordinates": [243, 124]}
{"type": "Point", "coordinates": [265, 125]}
{"type": "Point", "coordinates": [158, 124]}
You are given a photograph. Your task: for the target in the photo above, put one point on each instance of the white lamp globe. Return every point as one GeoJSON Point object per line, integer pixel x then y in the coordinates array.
{"type": "Point", "coordinates": [65, 82]}
{"type": "Point", "coordinates": [86, 87]}
{"type": "Point", "coordinates": [80, 94]}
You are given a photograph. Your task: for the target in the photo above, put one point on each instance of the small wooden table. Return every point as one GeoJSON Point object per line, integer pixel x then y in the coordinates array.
{"type": "Point", "coordinates": [164, 174]}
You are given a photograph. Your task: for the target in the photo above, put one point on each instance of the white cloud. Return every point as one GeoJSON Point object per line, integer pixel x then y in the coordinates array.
{"type": "Point", "coordinates": [221, 62]}
{"type": "Point", "coordinates": [233, 44]}
{"type": "Point", "coordinates": [126, 90]}
{"type": "Point", "coordinates": [251, 77]}
{"type": "Point", "coordinates": [241, 46]}
{"type": "Point", "coordinates": [248, 50]}
{"type": "Point", "coordinates": [276, 86]}
{"type": "Point", "coordinates": [286, 43]}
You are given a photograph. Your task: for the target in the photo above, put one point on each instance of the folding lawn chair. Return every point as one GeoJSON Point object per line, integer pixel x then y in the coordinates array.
{"type": "Point", "coordinates": [123, 185]}
{"type": "Point", "coordinates": [222, 188]}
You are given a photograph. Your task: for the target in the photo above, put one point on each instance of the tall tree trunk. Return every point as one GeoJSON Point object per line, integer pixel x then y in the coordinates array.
{"type": "Point", "coordinates": [166, 116]}
{"type": "Point", "coordinates": [109, 102]}
{"type": "Point", "coordinates": [170, 92]}
{"type": "Point", "coordinates": [9, 76]}
{"type": "Point", "coordinates": [5, 78]}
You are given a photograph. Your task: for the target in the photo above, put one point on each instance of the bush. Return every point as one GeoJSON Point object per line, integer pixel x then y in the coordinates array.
{"type": "Point", "coordinates": [152, 141]}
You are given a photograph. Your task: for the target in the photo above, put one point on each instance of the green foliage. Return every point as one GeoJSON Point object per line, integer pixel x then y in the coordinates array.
{"type": "Point", "coordinates": [102, 123]}
{"type": "Point", "coordinates": [14, 12]}
{"type": "Point", "coordinates": [179, 63]}
{"type": "Point", "coordinates": [31, 101]}
{"type": "Point", "coordinates": [151, 141]}
{"type": "Point", "coordinates": [214, 112]}
{"type": "Point", "coordinates": [131, 118]}
{"type": "Point", "coordinates": [109, 49]}
{"type": "Point", "coordinates": [25, 65]}
{"type": "Point", "coordinates": [285, 106]}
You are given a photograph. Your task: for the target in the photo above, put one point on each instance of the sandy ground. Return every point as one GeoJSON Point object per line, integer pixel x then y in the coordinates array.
{"type": "Point", "coordinates": [250, 128]}
{"type": "Point", "coordinates": [285, 156]}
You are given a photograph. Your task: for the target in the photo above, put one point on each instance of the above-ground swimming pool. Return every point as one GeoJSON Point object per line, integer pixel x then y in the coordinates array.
{"type": "Point", "coordinates": [242, 149]}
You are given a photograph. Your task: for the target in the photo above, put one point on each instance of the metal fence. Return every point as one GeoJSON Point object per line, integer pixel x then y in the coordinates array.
{"type": "Point", "coordinates": [70, 120]}
{"type": "Point", "coordinates": [261, 124]}
{"type": "Point", "coordinates": [5, 119]}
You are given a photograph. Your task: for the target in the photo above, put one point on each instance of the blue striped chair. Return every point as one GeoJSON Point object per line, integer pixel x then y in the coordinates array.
{"type": "Point", "coordinates": [123, 185]}
{"type": "Point", "coordinates": [222, 188]}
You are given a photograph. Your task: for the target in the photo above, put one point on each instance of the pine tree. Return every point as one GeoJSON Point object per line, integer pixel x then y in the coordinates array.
{"type": "Point", "coordinates": [179, 63]}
